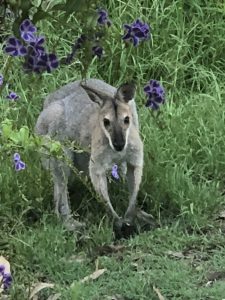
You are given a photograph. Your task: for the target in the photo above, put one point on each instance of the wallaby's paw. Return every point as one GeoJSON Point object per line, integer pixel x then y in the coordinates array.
{"type": "Point", "coordinates": [133, 224]}
{"type": "Point", "coordinates": [71, 224]}
{"type": "Point", "coordinates": [145, 221]}
{"type": "Point", "coordinates": [124, 229]}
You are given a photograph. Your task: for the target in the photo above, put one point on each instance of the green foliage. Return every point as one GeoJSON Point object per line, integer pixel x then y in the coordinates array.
{"type": "Point", "coordinates": [183, 167]}
{"type": "Point", "coordinates": [39, 10]}
{"type": "Point", "coordinates": [76, 291]}
{"type": "Point", "coordinates": [184, 145]}
{"type": "Point", "coordinates": [16, 197]}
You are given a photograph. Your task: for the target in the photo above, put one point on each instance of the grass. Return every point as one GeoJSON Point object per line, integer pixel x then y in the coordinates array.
{"type": "Point", "coordinates": [183, 182]}
{"type": "Point", "coordinates": [48, 254]}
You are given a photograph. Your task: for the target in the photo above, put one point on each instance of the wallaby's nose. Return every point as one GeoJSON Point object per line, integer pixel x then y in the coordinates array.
{"type": "Point", "coordinates": [118, 146]}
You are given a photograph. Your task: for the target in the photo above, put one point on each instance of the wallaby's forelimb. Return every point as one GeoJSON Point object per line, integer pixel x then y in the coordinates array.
{"type": "Point", "coordinates": [99, 182]}
{"type": "Point", "coordinates": [134, 175]}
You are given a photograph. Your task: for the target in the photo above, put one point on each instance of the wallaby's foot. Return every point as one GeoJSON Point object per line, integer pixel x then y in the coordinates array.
{"type": "Point", "coordinates": [134, 222]}
{"type": "Point", "coordinates": [72, 225]}
{"type": "Point", "coordinates": [124, 229]}
{"type": "Point", "coordinates": [130, 215]}
{"type": "Point", "coordinates": [145, 221]}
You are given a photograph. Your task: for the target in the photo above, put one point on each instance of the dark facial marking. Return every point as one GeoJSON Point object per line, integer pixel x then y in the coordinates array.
{"type": "Point", "coordinates": [106, 122]}
{"type": "Point", "coordinates": [115, 106]}
{"type": "Point", "coordinates": [126, 120]}
{"type": "Point", "coordinates": [118, 140]}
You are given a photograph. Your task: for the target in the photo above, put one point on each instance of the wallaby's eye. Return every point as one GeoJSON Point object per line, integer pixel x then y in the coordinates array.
{"type": "Point", "coordinates": [106, 122]}
{"type": "Point", "coordinates": [126, 120]}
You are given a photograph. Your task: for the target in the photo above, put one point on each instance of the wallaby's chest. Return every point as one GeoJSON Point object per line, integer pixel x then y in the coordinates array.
{"type": "Point", "coordinates": [108, 158]}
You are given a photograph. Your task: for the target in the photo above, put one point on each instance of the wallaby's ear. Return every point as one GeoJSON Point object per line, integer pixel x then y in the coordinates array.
{"type": "Point", "coordinates": [126, 92]}
{"type": "Point", "coordinates": [94, 95]}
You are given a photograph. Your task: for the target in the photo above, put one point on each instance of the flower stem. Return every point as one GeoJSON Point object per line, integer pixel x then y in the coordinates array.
{"type": "Point", "coordinates": [6, 67]}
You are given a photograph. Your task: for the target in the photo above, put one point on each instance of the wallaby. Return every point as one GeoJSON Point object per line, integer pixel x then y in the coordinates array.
{"type": "Point", "coordinates": [104, 119]}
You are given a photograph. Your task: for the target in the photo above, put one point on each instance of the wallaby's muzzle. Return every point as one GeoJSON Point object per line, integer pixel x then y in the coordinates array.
{"type": "Point", "coordinates": [118, 138]}
{"type": "Point", "coordinates": [118, 141]}
{"type": "Point", "coordinates": [118, 146]}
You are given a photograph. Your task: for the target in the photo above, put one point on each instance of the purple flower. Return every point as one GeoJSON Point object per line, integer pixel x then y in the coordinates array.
{"type": "Point", "coordinates": [27, 30]}
{"type": "Point", "coordinates": [36, 59]}
{"type": "Point", "coordinates": [31, 63]}
{"type": "Point", "coordinates": [48, 62]}
{"type": "Point", "coordinates": [76, 46]}
{"type": "Point", "coordinates": [20, 166]}
{"type": "Point", "coordinates": [37, 45]}
{"type": "Point", "coordinates": [155, 93]}
{"type": "Point", "coordinates": [136, 32]}
{"type": "Point", "coordinates": [6, 278]}
{"type": "Point", "coordinates": [115, 171]}
{"type": "Point", "coordinates": [41, 63]}
{"type": "Point", "coordinates": [16, 157]}
{"type": "Point", "coordinates": [15, 48]}
{"type": "Point", "coordinates": [103, 18]}
{"type": "Point", "coordinates": [18, 163]}
{"type": "Point", "coordinates": [98, 51]}
{"type": "Point", "coordinates": [1, 79]}
{"type": "Point", "coordinates": [2, 269]}
{"type": "Point", "coordinates": [13, 96]}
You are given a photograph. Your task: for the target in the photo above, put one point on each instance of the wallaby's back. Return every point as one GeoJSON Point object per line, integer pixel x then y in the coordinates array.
{"type": "Point", "coordinates": [72, 88]}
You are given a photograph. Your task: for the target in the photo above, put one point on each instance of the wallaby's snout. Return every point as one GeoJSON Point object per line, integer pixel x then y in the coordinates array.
{"type": "Point", "coordinates": [119, 143]}
{"type": "Point", "coordinates": [115, 124]}
{"type": "Point", "coordinates": [118, 147]}
{"type": "Point", "coordinates": [118, 137]}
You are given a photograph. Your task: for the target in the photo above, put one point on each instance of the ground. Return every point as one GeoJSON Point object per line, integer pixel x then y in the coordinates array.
{"type": "Point", "coordinates": [181, 265]}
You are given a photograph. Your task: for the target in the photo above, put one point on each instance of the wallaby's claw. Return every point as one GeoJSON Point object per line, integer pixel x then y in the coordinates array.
{"type": "Point", "coordinates": [145, 221]}
{"type": "Point", "coordinates": [71, 224]}
{"type": "Point", "coordinates": [133, 223]}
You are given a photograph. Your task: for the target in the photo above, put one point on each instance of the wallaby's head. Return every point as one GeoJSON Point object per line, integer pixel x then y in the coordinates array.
{"type": "Point", "coordinates": [115, 115]}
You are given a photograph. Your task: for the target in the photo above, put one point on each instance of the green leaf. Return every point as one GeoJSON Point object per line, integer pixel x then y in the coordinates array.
{"type": "Point", "coordinates": [14, 136]}
{"type": "Point", "coordinates": [59, 7]}
{"type": "Point", "coordinates": [16, 26]}
{"type": "Point", "coordinates": [25, 5]}
{"type": "Point", "coordinates": [55, 147]}
{"type": "Point", "coordinates": [76, 290]}
{"type": "Point", "coordinates": [39, 15]}
{"type": "Point", "coordinates": [36, 3]}
{"type": "Point", "coordinates": [24, 135]}
{"type": "Point", "coordinates": [72, 6]}
{"type": "Point", "coordinates": [6, 128]}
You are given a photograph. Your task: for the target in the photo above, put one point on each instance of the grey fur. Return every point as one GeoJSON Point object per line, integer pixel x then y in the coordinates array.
{"type": "Point", "coordinates": [69, 113]}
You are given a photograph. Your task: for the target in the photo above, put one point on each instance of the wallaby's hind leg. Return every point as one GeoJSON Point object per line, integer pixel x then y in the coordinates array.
{"type": "Point", "coordinates": [61, 173]}
{"type": "Point", "coordinates": [60, 179]}
{"type": "Point", "coordinates": [99, 182]}
{"type": "Point", "coordinates": [134, 175]}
